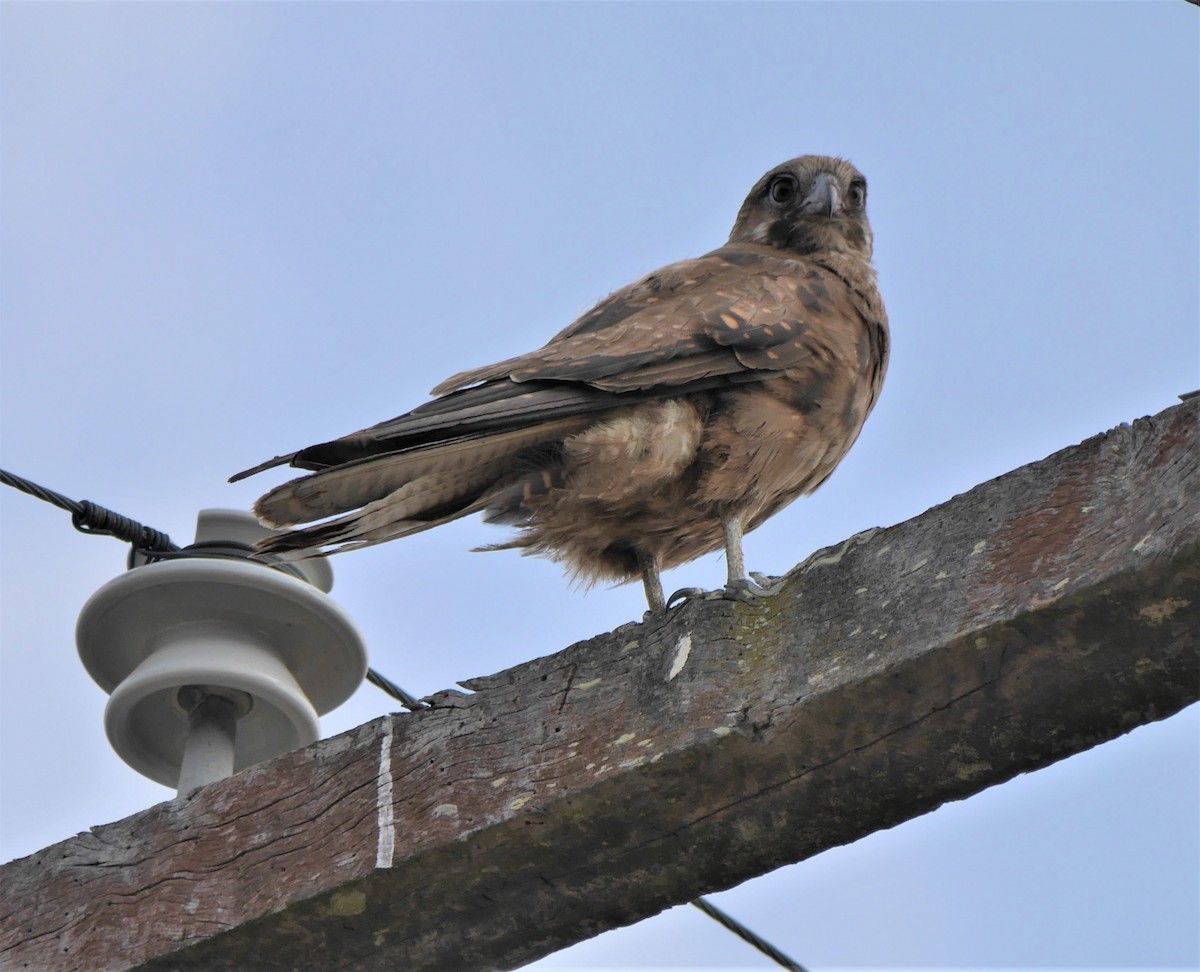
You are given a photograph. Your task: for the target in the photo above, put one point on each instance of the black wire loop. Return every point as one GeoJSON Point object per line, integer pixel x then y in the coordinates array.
{"type": "Point", "coordinates": [93, 518]}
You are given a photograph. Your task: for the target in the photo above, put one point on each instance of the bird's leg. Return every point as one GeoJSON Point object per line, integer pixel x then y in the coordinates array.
{"type": "Point", "coordinates": [738, 585]}
{"type": "Point", "coordinates": [651, 581]}
{"type": "Point", "coordinates": [735, 561]}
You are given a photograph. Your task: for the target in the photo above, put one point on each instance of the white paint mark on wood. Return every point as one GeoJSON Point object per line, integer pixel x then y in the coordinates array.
{"type": "Point", "coordinates": [385, 847]}
{"type": "Point", "coordinates": [683, 648]}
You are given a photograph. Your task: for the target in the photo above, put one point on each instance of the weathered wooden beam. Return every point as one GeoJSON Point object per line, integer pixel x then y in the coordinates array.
{"type": "Point", "coordinates": [1035, 616]}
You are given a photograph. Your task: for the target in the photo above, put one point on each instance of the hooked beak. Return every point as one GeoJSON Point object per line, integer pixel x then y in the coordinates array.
{"type": "Point", "coordinates": [825, 197]}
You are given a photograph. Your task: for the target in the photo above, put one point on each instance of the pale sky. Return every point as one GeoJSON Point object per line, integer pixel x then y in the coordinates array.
{"type": "Point", "coordinates": [230, 230]}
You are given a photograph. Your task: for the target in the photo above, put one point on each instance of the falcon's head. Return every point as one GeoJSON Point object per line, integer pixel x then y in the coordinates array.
{"type": "Point", "coordinates": [811, 204]}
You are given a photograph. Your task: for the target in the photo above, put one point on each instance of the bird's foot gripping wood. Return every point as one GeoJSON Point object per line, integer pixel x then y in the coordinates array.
{"type": "Point", "coordinates": [746, 590]}
{"type": "Point", "coordinates": [765, 585]}
{"type": "Point", "coordinates": [738, 587]}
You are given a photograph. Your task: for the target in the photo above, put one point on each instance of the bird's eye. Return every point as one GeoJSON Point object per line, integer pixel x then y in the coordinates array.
{"type": "Point", "coordinates": [857, 195]}
{"type": "Point", "coordinates": [782, 189]}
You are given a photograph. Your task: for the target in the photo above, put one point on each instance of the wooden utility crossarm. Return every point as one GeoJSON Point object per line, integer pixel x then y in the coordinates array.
{"type": "Point", "coordinates": [1037, 615]}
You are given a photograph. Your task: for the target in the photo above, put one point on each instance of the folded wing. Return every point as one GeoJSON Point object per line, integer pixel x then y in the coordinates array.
{"type": "Point", "coordinates": [743, 313]}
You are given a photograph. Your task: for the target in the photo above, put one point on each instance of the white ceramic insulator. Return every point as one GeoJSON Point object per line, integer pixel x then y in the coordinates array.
{"type": "Point", "coordinates": [231, 627]}
{"type": "Point", "coordinates": [212, 736]}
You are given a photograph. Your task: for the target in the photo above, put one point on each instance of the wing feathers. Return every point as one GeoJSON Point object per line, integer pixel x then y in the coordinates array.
{"type": "Point", "coordinates": [668, 335]}
{"type": "Point", "coordinates": [263, 467]}
{"type": "Point", "coordinates": [693, 309]}
{"type": "Point", "coordinates": [465, 463]}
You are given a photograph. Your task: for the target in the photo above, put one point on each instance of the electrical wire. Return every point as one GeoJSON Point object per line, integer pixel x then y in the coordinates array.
{"type": "Point", "coordinates": [89, 517]}
{"type": "Point", "coordinates": [746, 935]}
{"type": "Point", "coordinates": [395, 691]}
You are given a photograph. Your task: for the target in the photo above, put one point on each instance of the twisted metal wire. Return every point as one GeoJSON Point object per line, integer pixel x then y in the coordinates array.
{"type": "Point", "coordinates": [746, 935]}
{"type": "Point", "coordinates": [409, 702]}
{"type": "Point", "coordinates": [89, 517]}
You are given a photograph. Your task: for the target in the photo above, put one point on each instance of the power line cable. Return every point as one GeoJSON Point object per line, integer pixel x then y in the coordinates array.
{"type": "Point", "coordinates": [89, 517]}
{"type": "Point", "coordinates": [746, 935]}
{"type": "Point", "coordinates": [409, 702]}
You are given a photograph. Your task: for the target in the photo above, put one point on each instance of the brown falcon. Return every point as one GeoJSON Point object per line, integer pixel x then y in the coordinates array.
{"type": "Point", "coordinates": [678, 413]}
